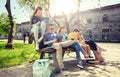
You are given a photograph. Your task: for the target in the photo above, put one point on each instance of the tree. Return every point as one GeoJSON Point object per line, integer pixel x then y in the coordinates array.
{"type": "Point", "coordinates": [68, 21]}
{"type": "Point", "coordinates": [10, 36]}
{"type": "Point", "coordinates": [32, 4]}
{"type": "Point", "coordinates": [4, 24]}
{"type": "Point", "coordinates": [46, 3]}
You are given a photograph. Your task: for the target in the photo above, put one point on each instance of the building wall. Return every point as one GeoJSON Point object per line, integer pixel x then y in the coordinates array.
{"type": "Point", "coordinates": [107, 30]}
{"type": "Point", "coordinates": [21, 29]}
{"type": "Point", "coordinates": [102, 24]}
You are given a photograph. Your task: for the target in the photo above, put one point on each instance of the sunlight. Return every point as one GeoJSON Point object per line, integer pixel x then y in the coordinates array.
{"type": "Point", "coordinates": [60, 6]}
{"type": "Point", "coordinates": [65, 5]}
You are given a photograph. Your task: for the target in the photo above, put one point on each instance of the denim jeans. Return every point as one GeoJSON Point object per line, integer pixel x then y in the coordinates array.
{"type": "Point", "coordinates": [68, 44]}
{"type": "Point", "coordinates": [77, 48]}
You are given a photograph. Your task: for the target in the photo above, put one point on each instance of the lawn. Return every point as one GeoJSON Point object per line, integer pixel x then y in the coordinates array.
{"type": "Point", "coordinates": [22, 53]}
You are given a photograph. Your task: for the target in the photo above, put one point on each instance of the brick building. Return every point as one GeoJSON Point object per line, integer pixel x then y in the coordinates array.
{"type": "Point", "coordinates": [22, 29]}
{"type": "Point", "coordinates": [102, 24]}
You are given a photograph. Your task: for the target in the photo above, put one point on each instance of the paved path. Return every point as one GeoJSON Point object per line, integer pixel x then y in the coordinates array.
{"type": "Point", "coordinates": [110, 69]}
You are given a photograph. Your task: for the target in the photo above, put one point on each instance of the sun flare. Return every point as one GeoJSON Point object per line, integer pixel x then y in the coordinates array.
{"type": "Point", "coordinates": [60, 6]}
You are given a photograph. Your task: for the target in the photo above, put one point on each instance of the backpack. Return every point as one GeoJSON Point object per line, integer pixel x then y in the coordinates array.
{"type": "Point", "coordinates": [41, 68]}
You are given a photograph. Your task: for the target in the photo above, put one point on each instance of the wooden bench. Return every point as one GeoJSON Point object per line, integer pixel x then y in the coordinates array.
{"type": "Point", "coordinates": [51, 50]}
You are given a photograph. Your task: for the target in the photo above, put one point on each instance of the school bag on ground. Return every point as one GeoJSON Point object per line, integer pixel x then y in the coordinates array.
{"type": "Point", "coordinates": [41, 68]}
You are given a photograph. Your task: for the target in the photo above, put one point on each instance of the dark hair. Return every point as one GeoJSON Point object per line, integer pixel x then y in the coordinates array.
{"type": "Point", "coordinates": [38, 8]}
{"type": "Point", "coordinates": [76, 30]}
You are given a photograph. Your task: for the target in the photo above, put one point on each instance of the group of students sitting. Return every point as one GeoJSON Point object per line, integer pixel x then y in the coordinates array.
{"type": "Point", "coordinates": [73, 40]}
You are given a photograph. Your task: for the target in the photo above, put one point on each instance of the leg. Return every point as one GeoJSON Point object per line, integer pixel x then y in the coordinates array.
{"type": "Point", "coordinates": [42, 55]}
{"type": "Point", "coordinates": [57, 69]}
{"type": "Point", "coordinates": [98, 56]}
{"type": "Point", "coordinates": [60, 60]}
{"type": "Point", "coordinates": [87, 49]}
{"type": "Point", "coordinates": [42, 30]}
{"type": "Point", "coordinates": [35, 31]}
{"type": "Point", "coordinates": [66, 43]}
{"type": "Point", "coordinates": [96, 50]}
{"type": "Point", "coordinates": [77, 47]}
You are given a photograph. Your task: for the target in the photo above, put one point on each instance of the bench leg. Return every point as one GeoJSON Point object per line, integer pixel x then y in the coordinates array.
{"type": "Point", "coordinates": [63, 53]}
{"type": "Point", "coordinates": [55, 61]}
{"type": "Point", "coordinates": [42, 55]}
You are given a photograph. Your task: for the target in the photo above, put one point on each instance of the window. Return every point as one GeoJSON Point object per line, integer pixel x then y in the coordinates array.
{"type": "Point", "coordinates": [105, 18]}
{"type": "Point", "coordinates": [110, 30]}
{"type": "Point", "coordinates": [89, 21]}
{"type": "Point", "coordinates": [118, 30]}
{"type": "Point", "coordinates": [19, 30]}
{"type": "Point", "coordinates": [23, 29]}
{"type": "Point", "coordinates": [105, 30]}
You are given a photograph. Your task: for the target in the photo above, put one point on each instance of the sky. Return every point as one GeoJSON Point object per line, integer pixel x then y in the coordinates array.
{"type": "Point", "coordinates": [57, 7]}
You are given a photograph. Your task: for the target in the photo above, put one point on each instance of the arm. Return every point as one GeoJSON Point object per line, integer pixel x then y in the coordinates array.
{"type": "Point", "coordinates": [35, 21]}
{"type": "Point", "coordinates": [51, 41]}
{"type": "Point", "coordinates": [38, 23]}
{"type": "Point", "coordinates": [81, 40]}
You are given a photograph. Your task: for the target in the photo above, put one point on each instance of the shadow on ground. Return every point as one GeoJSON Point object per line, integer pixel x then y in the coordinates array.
{"type": "Point", "coordinates": [91, 70]}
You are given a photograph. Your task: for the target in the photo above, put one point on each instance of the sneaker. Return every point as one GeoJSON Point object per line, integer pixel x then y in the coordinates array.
{"type": "Point", "coordinates": [90, 56]}
{"type": "Point", "coordinates": [57, 70]}
{"type": "Point", "coordinates": [64, 72]}
{"type": "Point", "coordinates": [102, 62]}
{"type": "Point", "coordinates": [50, 58]}
{"type": "Point", "coordinates": [56, 45]}
{"type": "Point", "coordinates": [80, 66]}
{"type": "Point", "coordinates": [93, 62]}
{"type": "Point", "coordinates": [87, 58]}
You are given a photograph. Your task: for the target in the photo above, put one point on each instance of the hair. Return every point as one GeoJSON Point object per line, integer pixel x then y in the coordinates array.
{"type": "Point", "coordinates": [46, 9]}
{"type": "Point", "coordinates": [51, 24]}
{"type": "Point", "coordinates": [76, 30]}
{"type": "Point", "coordinates": [62, 27]}
{"type": "Point", "coordinates": [38, 8]}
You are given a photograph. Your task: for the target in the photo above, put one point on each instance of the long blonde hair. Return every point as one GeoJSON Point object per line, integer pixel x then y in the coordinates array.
{"type": "Point", "coordinates": [38, 8]}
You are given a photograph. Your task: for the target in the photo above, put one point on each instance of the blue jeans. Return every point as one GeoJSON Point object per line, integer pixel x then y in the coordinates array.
{"type": "Point", "coordinates": [77, 48]}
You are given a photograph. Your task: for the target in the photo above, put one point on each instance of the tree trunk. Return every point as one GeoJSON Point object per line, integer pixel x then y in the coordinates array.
{"type": "Point", "coordinates": [10, 36]}
{"type": "Point", "coordinates": [78, 20]}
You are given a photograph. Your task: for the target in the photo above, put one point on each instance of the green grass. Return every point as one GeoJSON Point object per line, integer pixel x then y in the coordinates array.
{"type": "Point", "coordinates": [22, 53]}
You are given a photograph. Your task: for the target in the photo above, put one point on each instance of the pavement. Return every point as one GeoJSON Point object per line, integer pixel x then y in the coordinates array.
{"type": "Point", "coordinates": [111, 68]}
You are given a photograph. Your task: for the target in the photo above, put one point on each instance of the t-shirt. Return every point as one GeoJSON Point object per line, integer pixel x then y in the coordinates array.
{"type": "Point", "coordinates": [35, 20]}
{"type": "Point", "coordinates": [72, 36]}
{"type": "Point", "coordinates": [64, 37]}
{"type": "Point", "coordinates": [41, 18]}
{"type": "Point", "coordinates": [48, 37]}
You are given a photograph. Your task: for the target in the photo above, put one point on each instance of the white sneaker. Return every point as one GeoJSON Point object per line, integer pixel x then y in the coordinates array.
{"type": "Point", "coordinates": [64, 73]}
{"type": "Point", "coordinates": [80, 66]}
{"type": "Point", "coordinates": [37, 46]}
